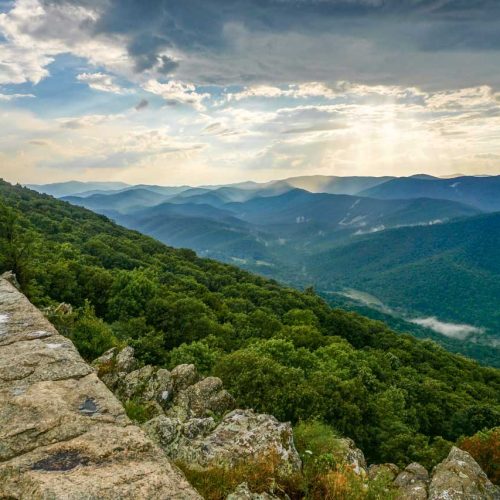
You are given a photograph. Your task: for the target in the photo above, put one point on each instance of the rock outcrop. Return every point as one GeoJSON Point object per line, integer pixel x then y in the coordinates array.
{"type": "Point", "coordinates": [412, 483]}
{"type": "Point", "coordinates": [460, 477]}
{"type": "Point", "coordinates": [242, 492]}
{"type": "Point", "coordinates": [187, 408]}
{"type": "Point", "coordinates": [63, 434]}
{"type": "Point", "coordinates": [349, 455]}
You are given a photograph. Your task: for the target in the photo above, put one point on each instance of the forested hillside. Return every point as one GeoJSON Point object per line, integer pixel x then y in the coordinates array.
{"type": "Point", "coordinates": [449, 270]}
{"type": "Point", "coordinates": [277, 350]}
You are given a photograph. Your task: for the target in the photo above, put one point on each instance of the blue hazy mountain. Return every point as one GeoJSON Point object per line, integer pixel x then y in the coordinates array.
{"type": "Point", "coordinates": [122, 201]}
{"type": "Point", "coordinates": [421, 257]}
{"type": "Point", "coordinates": [60, 189]}
{"type": "Point", "coordinates": [479, 192]}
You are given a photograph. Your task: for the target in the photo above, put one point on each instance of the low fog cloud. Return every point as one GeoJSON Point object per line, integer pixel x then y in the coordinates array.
{"type": "Point", "coordinates": [453, 330]}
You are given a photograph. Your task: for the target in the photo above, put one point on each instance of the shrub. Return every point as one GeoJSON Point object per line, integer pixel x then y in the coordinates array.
{"type": "Point", "coordinates": [485, 449]}
{"type": "Point", "coordinates": [138, 412]}
{"type": "Point", "coordinates": [261, 475]}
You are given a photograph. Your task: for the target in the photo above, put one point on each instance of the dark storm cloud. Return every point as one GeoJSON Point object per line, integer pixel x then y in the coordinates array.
{"type": "Point", "coordinates": [142, 104]}
{"type": "Point", "coordinates": [198, 29]}
{"type": "Point", "coordinates": [167, 65]}
{"type": "Point", "coordinates": [156, 24]}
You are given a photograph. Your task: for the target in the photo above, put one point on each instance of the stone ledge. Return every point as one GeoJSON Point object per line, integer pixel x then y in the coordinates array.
{"type": "Point", "coordinates": [63, 434]}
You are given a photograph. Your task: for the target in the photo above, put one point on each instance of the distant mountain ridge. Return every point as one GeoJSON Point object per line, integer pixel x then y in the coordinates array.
{"type": "Point", "coordinates": [479, 192]}
{"type": "Point", "coordinates": [419, 256]}
{"type": "Point", "coordinates": [59, 189]}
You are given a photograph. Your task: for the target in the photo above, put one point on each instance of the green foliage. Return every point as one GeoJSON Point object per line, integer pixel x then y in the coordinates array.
{"type": "Point", "coordinates": [137, 411]}
{"type": "Point", "coordinates": [451, 271]}
{"type": "Point", "coordinates": [91, 335]}
{"type": "Point", "coordinates": [198, 353]}
{"type": "Point", "coordinates": [277, 350]}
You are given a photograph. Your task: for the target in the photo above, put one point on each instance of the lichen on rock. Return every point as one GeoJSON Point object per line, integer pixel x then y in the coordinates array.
{"type": "Point", "coordinates": [187, 409]}
{"type": "Point", "coordinates": [63, 434]}
{"type": "Point", "coordinates": [460, 477]}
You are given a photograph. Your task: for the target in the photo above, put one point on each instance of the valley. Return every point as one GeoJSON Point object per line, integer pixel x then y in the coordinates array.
{"type": "Point", "coordinates": [431, 262]}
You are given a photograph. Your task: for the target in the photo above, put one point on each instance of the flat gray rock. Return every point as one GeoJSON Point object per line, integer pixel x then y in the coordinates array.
{"type": "Point", "coordinates": [63, 434]}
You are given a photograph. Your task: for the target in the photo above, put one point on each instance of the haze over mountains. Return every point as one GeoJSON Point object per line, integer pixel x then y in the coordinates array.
{"type": "Point", "coordinates": [422, 250]}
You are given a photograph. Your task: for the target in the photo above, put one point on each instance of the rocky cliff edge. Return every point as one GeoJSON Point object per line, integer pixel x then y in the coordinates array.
{"type": "Point", "coordinates": [63, 434]}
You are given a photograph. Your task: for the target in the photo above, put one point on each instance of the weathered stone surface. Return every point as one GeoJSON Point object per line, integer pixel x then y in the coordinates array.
{"type": "Point", "coordinates": [412, 483]}
{"type": "Point", "coordinates": [125, 360]}
{"type": "Point", "coordinates": [242, 492]}
{"type": "Point", "coordinates": [242, 437]}
{"type": "Point", "coordinates": [166, 432]}
{"type": "Point", "coordinates": [388, 471]}
{"type": "Point", "coordinates": [62, 432]}
{"type": "Point", "coordinates": [202, 399]}
{"type": "Point", "coordinates": [173, 435]}
{"type": "Point", "coordinates": [459, 477]}
{"type": "Point", "coordinates": [183, 376]}
{"type": "Point", "coordinates": [352, 456]}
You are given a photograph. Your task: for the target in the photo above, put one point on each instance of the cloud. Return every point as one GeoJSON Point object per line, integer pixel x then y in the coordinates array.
{"type": "Point", "coordinates": [11, 97]}
{"type": "Point", "coordinates": [86, 121]}
{"type": "Point", "coordinates": [253, 42]}
{"type": "Point", "coordinates": [301, 90]}
{"type": "Point", "coordinates": [305, 86]}
{"type": "Point", "coordinates": [175, 92]}
{"type": "Point", "coordinates": [463, 98]}
{"type": "Point", "coordinates": [101, 81]}
{"type": "Point", "coordinates": [35, 33]}
{"type": "Point", "coordinates": [142, 104]}
{"type": "Point", "coordinates": [453, 330]}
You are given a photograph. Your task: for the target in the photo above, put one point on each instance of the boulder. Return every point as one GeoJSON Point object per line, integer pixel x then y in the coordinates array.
{"type": "Point", "coordinates": [125, 360]}
{"type": "Point", "coordinates": [134, 384]}
{"type": "Point", "coordinates": [164, 431]}
{"type": "Point", "coordinates": [242, 492]}
{"type": "Point", "coordinates": [352, 456]}
{"type": "Point", "coordinates": [243, 437]}
{"type": "Point", "coordinates": [412, 483]}
{"type": "Point", "coordinates": [204, 398]}
{"type": "Point", "coordinates": [387, 471]}
{"type": "Point", "coordinates": [196, 427]}
{"type": "Point", "coordinates": [173, 435]}
{"type": "Point", "coordinates": [160, 388]}
{"type": "Point", "coordinates": [183, 376]}
{"type": "Point", "coordinates": [460, 477]}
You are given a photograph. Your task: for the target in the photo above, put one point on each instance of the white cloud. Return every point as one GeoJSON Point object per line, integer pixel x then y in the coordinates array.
{"type": "Point", "coordinates": [11, 97]}
{"type": "Point", "coordinates": [36, 33]}
{"type": "Point", "coordinates": [177, 92]}
{"type": "Point", "coordinates": [300, 90]}
{"type": "Point", "coordinates": [453, 330]}
{"type": "Point", "coordinates": [457, 99]}
{"type": "Point", "coordinates": [87, 121]}
{"type": "Point", "coordinates": [101, 81]}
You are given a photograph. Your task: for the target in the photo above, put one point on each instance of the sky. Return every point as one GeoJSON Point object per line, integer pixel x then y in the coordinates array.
{"type": "Point", "coordinates": [217, 91]}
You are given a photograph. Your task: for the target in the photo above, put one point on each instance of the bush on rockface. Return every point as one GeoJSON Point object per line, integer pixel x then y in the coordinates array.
{"type": "Point", "coordinates": [262, 475]}
{"type": "Point", "coordinates": [485, 449]}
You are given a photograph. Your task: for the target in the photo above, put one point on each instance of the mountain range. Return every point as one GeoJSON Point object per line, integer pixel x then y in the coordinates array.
{"type": "Point", "coordinates": [422, 250]}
